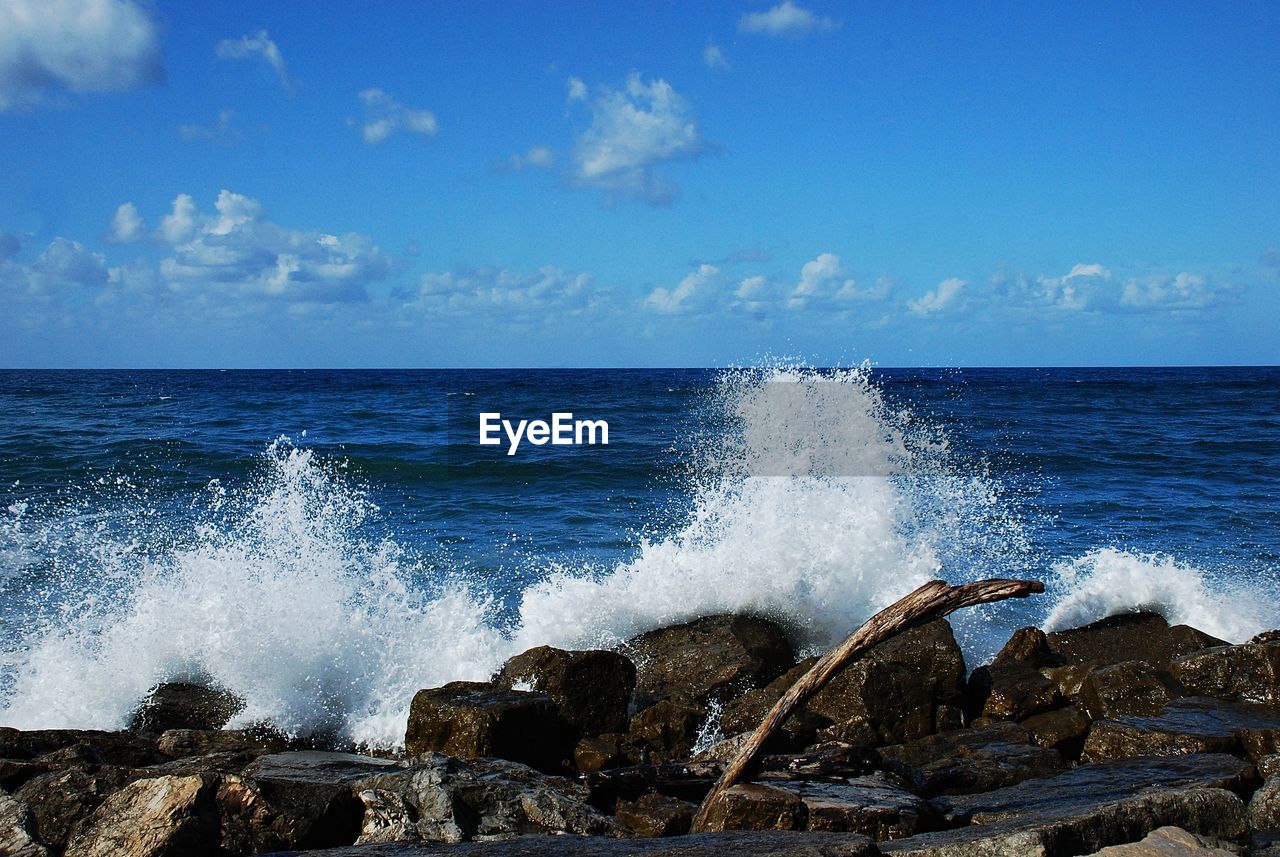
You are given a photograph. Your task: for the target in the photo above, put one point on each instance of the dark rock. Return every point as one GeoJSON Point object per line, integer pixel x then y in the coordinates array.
{"type": "Point", "coordinates": [1268, 765]}
{"type": "Point", "coordinates": [15, 772]}
{"type": "Point", "coordinates": [91, 745]}
{"type": "Point", "coordinates": [1011, 691]}
{"type": "Point", "coordinates": [61, 801]}
{"type": "Point", "coordinates": [599, 752]}
{"type": "Point", "coordinates": [1192, 725]}
{"type": "Point", "coordinates": [1126, 688]}
{"type": "Point", "coordinates": [476, 720]}
{"type": "Point", "coordinates": [17, 830]}
{"type": "Point", "coordinates": [1090, 807]}
{"type": "Point", "coordinates": [755, 806]}
{"type": "Point", "coordinates": [592, 688]}
{"type": "Point", "coordinates": [1064, 729]}
{"type": "Point", "coordinates": [667, 730]}
{"type": "Point", "coordinates": [169, 816]}
{"type": "Point", "coordinates": [182, 705]}
{"type": "Point", "coordinates": [874, 805]}
{"type": "Point", "coordinates": [1272, 636]}
{"type": "Point", "coordinates": [183, 743]}
{"type": "Point", "coordinates": [1028, 647]}
{"type": "Point", "coordinates": [1168, 842]}
{"type": "Point", "coordinates": [712, 658]}
{"type": "Point", "coordinates": [746, 712]}
{"type": "Point", "coordinates": [893, 693]}
{"type": "Point", "coordinates": [655, 814]}
{"type": "Point", "coordinates": [970, 760]}
{"type": "Point", "coordinates": [1264, 807]}
{"type": "Point", "coordinates": [1069, 678]}
{"type": "Point", "coordinates": [1248, 673]}
{"type": "Point", "coordinates": [1128, 637]}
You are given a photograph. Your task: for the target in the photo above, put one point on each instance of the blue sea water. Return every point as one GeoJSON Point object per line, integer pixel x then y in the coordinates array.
{"type": "Point", "coordinates": [323, 543]}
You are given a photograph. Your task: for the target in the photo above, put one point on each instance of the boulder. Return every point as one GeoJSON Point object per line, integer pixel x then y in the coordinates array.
{"type": "Point", "coordinates": [1011, 691]}
{"type": "Point", "coordinates": [667, 730]}
{"type": "Point", "coordinates": [970, 760]}
{"type": "Point", "coordinates": [746, 712]}
{"type": "Point", "coordinates": [1248, 673]}
{"type": "Point", "coordinates": [756, 806]}
{"type": "Point", "coordinates": [1264, 807]}
{"type": "Point", "coordinates": [183, 705]}
{"type": "Point", "coordinates": [1128, 637]}
{"type": "Point", "coordinates": [1167, 842]}
{"type": "Point", "coordinates": [91, 746]}
{"type": "Point", "coordinates": [894, 692]}
{"type": "Point", "coordinates": [60, 801]}
{"type": "Point", "coordinates": [387, 817]}
{"type": "Point", "coordinates": [875, 805]}
{"type": "Point", "coordinates": [1268, 765]}
{"type": "Point", "coordinates": [593, 688]}
{"type": "Point", "coordinates": [156, 817]}
{"type": "Point", "coordinates": [1027, 646]}
{"type": "Point", "coordinates": [1192, 725]}
{"type": "Point", "coordinates": [1063, 729]}
{"type": "Point", "coordinates": [473, 720]}
{"type": "Point", "coordinates": [184, 743]}
{"type": "Point", "coordinates": [655, 814]}
{"type": "Point", "coordinates": [1126, 688]}
{"type": "Point", "coordinates": [600, 752]}
{"type": "Point", "coordinates": [17, 838]}
{"type": "Point", "coordinates": [712, 658]}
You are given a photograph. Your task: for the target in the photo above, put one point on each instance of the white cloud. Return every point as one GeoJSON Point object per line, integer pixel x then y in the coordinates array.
{"type": "Point", "coordinates": [694, 292]}
{"type": "Point", "coordinates": [1182, 292]}
{"type": "Point", "coordinates": [223, 129]}
{"type": "Point", "coordinates": [714, 57]}
{"type": "Point", "coordinates": [256, 46]}
{"type": "Point", "coordinates": [634, 131]}
{"type": "Point", "coordinates": [947, 297]}
{"type": "Point", "coordinates": [126, 224]}
{"type": "Point", "coordinates": [238, 251]}
{"type": "Point", "coordinates": [1093, 288]}
{"type": "Point", "coordinates": [385, 116]}
{"type": "Point", "coordinates": [50, 46]}
{"type": "Point", "coordinates": [577, 90]}
{"type": "Point", "coordinates": [785, 19]}
{"type": "Point", "coordinates": [507, 295]}
{"type": "Point", "coordinates": [538, 157]}
{"type": "Point", "coordinates": [63, 264]}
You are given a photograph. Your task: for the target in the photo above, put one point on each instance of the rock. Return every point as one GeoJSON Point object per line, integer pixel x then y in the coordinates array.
{"type": "Point", "coordinates": [16, 830]}
{"type": "Point", "coordinates": [183, 743]}
{"type": "Point", "coordinates": [893, 693]}
{"type": "Point", "coordinates": [1090, 807]}
{"type": "Point", "coordinates": [182, 705]}
{"type": "Point", "coordinates": [1064, 729]}
{"type": "Point", "coordinates": [1029, 647]}
{"type": "Point", "coordinates": [667, 730]}
{"type": "Point", "coordinates": [1248, 673]}
{"type": "Point", "coordinates": [476, 720]}
{"type": "Point", "coordinates": [593, 688]}
{"type": "Point", "coordinates": [1128, 637]}
{"type": "Point", "coordinates": [451, 800]}
{"type": "Point", "coordinates": [756, 806]}
{"type": "Point", "coordinates": [875, 805]}
{"type": "Point", "coordinates": [1166, 842]}
{"type": "Point", "coordinates": [61, 800]}
{"type": "Point", "coordinates": [601, 752]}
{"type": "Point", "coordinates": [1126, 688]}
{"type": "Point", "coordinates": [1268, 765]}
{"type": "Point", "coordinates": [712, 658]}
{"type": "Point", "coordinates": [746, 712]}
{"type": "Point", "coordinates": [387, 817]}
{"type": "Point", "coordinates": [1011, 691]}
{"type": "Point", "coordinates": [1264, 807]}
{"type": "Point", "coordinates": [970, 760]}
{"type": "Point", "coordinates": [169, 816]}
{"type": "Point", "coordinates": [1192, 725]}
{"type": "Point", "coordinates": [91, 745]}
{"type": "Point", "coordinates": [655, 814]}
{"type": "Point", "coordinates": [723, 751]}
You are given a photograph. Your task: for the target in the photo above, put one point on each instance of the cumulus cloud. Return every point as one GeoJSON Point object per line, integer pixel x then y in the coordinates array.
{"type": "Point", "coordinates": [714, 58]}
{"type": "Point", "coordinates": [385, 116]}
{"type": "Point", "coordinates": [949, 296]}
{"type": "Point", "coordinates": [256, 46]}
{"type": "Point", "coordinates": [52, 46]}
{"type": "Point", "coordinates": [538, 157]}
{"type": "Point", "coordinates": [824, 281]}
{"type": "Point", "coordinates": [236, 250]}
{"type": "Point", "coordinates": [63, 264]}
{"type": "Point", "coordinates": [506, 295]}
{"type": "Point", "coordinates": [696, 291]}
{"type": "Point", "coordinates": [786, 19]}
{"type": "Point", "coordinates": [634, 132]}
{"type": "Point", "coordinates": [126, 224]}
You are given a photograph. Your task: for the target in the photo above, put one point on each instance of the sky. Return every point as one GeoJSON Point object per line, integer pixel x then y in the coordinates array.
{"type": "Point", "coordinates": [403, 184]}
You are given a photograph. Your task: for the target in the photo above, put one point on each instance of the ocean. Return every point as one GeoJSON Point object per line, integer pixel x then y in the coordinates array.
{"type": "Point", "coordinates": [324, 543]}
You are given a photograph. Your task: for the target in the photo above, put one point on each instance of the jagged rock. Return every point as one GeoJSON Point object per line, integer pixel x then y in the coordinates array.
{"type": "Point", "coordinates": [95, 746]}
{"type": "Point", "coordinates": [1268, 765]}
{"type": "Point", "coordinates": [387, 818]}
{"type": "Point", "coordinates": [1126, 688]}
{"type": "Point", "coordinates": [715, 657]}
{"type": "Point", "coordinates": [1011, 691]}
{"type": "Point", "coordinates": [182, 705]}
{"type": "Point", "coordinates": [666, 731]}
{"type": "Point", "coordinates": [61, 800]}
{"type": "Point", "coordinates": [156, 817]}
{"type": "Point", "coordinates": [1090, 807]}
{"type": "Point", "coordinates": [1167, 842]}
{"type": "Point", "coordinates": [655, 814]}
{"type": "Point", "coordinates": [599, 752]}
{"type": "Point", "coordinates": [1192, 725]}
{"type": "Point", "coordinates": [1264, 807]}
{"type": "Point", "coordinates": [1027, 646]}
{"type": "Point", "coordinates": [746, 712]}
{"type": "Point", "coordinates": [184, 743]}
{"type": "Point", "coordinates": [17, 830]}
{"type": "Point", "coordinates": [1128, 637]}
{"type": "Point", "coordinates": [473, 720]}
{"type": "Point", "coordinates": [454, 800]}
{"type": "Point", "coordinates": [1064, 729]}
{"type": "Point", "coordinates": [723, 751]}
{"type": "Point", "coordinates": [971, 760]}
{"type": "Point", "coordinates": [893, 693]}
{"type": "Point", "coordinates": [593, 688]}
{"type": "Point", "coordinates": [1248, 673]}
{"type": "Point", "coordinates": [875, 805]}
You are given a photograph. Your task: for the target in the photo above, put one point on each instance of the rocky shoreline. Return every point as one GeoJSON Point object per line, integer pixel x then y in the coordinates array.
{"type": "Point", "coordinates": [1126, 735]}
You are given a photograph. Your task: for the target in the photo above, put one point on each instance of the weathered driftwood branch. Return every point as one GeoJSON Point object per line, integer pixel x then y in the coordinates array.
{"type": "Point", "coordinates": [932, 601]}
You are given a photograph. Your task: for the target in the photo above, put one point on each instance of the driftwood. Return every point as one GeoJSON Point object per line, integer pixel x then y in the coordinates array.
{"type": "Point", "coordinates": [932, 601]}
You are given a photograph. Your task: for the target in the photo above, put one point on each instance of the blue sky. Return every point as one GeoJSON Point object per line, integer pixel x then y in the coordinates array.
{"type": "Point", "coordinates": [528, 184]}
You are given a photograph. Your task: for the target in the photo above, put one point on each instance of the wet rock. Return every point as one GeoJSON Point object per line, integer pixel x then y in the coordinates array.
{"type": "Point", "coordinates": [723, 751]}
{"type": "Point", "coordinates": [1192, 725]}
{"type": "Point", "coordinates": [451, 800]}
{"type": "Point", "coordinates": [715, 657]}
{"type": "Point", "coordinates": [655, 814]}
{"type": "Point", "coordinates": [169, 816]}
{"type": "Point", "coordinates": [875, 805]}
{"type": "Point", "coordinates": [184, 743]}
{"type": "Point", "coordinates": [1011, 691]}
{"type": "Point", "coordinates": [93, 746]}
{"type": "Point", "coordinates": [667, 730]}
{"type": "Point", "coordinates": [1264, 807]}
{"type": "Point", "coordinates": [17, 830]}
{"type": "Point", "coordinates": [1167, 842]}
{"type": "Point", "coordinates": [593, 688]}
{"type": "Point", "coordinates": [1063, 729]}
{"type": "Point", "coordinates": [1126, 688]}
{"type": "Point", "coordinates": [1248, 673]}
{"type": "Point", "coordinates": [1128, 637]}
{"type": "Point", "coordinates": [756, 806]}
{"type": "Point", "coordinates": [1268, 765]}
{"type": "Point", "coordinates": [971, 760]}
{"type": "Point", "coordinates": [387, 817]}
{"type": "Point", "coordinates": [476, 720]}
{"type": "Point", "coordinates": [183, 705]}
{"type": "Point", "coordinates": [893, 693]}
{"type": "Point", "coordinates": [60, 801]}
{"type": "Point", "coordinates": [600, 752]}
{"type": "Point", "coordinates": [746, 712]}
